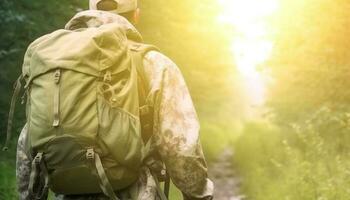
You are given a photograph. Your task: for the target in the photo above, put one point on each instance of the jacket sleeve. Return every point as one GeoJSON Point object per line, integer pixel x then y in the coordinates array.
{"type": "Point", "coordinates": [23, 166]}
{"type": "Point", "coordinates": [176, 129]}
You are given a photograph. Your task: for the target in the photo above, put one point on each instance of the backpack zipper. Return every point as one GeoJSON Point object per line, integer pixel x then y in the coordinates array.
{"type": "Point", "coordinates": [56, 100]}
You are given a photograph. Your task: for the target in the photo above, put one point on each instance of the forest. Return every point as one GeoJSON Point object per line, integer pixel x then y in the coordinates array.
{"type": "Point", "coordinates": [268, 80]}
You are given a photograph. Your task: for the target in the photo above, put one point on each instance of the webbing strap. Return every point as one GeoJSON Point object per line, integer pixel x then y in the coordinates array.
{"type": "Point", "coordinates": [46, 178]}
{"type": "Point", "coordinates": [36, 190]}
{"type": "Point", "coordinates": [34, 174]}
{"type": "Point", "coordinates": [17, 87]}
{"type": "Point", "coordinates": [146, 110]}
{"type": "Point", "coordinates": [56, 101]}
{"type": "Point", "coordinates": [144, 87]}
{"type": "Point", "coordinates": [104, 183]}
{"type": "Point", "coordinates": [167, 184]}
{"type": "Point", "coordinates": [158, 188]}
{"type": "Point", "coordinates": [138, 52]}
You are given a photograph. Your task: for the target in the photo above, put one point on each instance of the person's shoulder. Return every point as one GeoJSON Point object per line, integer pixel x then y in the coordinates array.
{"type": "Point", "coordinates": [159, 60]}
{"type": "Point", "coordinates": [159, 69]}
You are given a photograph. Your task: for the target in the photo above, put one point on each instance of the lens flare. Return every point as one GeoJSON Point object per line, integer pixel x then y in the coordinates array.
{"type": "Point", "coordinates": [250, 45]}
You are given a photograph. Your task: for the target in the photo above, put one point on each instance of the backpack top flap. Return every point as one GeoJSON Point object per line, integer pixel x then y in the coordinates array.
{"type": "Point", "coordinates": [86, 50]}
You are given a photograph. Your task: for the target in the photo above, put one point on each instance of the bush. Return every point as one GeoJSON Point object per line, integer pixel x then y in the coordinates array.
{"type": "Point", "coordinates": [217, 136]}
{"type": "Point", "coordinates": [7, 175]}
{"type": "Point", "coordinates": [307, 161]}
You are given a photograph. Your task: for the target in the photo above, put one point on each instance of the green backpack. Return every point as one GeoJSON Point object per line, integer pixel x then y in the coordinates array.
{"type": "Point", "coordinates": [84, 110]}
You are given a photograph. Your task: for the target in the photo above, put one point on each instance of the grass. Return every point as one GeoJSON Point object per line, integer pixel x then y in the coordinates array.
{"type": "Point", "coordinates": [7, 175]}
{"type": "Point", "coordinates": [215, 136]}
{"type": "Point", "coordinates": [308, 161]}
{"type": "Point", "coordinates": [8, 183]}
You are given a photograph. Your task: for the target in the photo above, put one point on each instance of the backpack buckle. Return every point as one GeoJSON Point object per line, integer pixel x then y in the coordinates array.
{"type": "Point", "coordinates": [144, 110]}
{"type": "Point", "coordinates": [57, 76]}
{"type": "Point", "coordinates": [90, 154]}
{"type": "Point", "coordinates": [107, 77]}
{"type": "Point", "coordinates": [38, 158]}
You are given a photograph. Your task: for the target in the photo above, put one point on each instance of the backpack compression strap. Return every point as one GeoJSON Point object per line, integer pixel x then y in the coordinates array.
{"type": "Point", "coordinates": [146, 111]}
{"type": "Point", "coordinates": [35, 187]}
{"type": "Point", "coordinates": [17, 89]}
{"type": "Point", "coordinates": [105, 185]}
{"type": "Point", "coordinates": [138, 52]}
{"type": "Point", "coordinates": [39, 171]}
{"type": "Point", "coordinates": [161, 194]}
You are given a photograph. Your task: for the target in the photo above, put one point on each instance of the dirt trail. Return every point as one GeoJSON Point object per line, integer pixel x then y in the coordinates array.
{"type": "Point", "coordinates": [225, 179]}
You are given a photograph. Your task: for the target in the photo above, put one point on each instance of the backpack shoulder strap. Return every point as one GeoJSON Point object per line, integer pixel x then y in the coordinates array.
{"type": "Point", "coordinates": [138, 51]}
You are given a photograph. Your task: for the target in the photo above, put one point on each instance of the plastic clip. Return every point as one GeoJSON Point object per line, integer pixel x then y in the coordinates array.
{"type": "Point", "coordinates": [107, 77]}
{"type": "Point", "coordinates": [90, 154]}
{"type": "Point", "coordinates": [38, 158]}
{"type": "Point", "coordinates": [57, 76]}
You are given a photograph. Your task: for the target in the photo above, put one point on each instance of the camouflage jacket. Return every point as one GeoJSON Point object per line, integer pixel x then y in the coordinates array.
{"type": "Point", "coordinates": [176, 127]}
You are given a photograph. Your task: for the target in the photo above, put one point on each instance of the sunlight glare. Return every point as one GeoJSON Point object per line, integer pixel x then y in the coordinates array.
{"type": "Point", "coordinates": [250, 46]}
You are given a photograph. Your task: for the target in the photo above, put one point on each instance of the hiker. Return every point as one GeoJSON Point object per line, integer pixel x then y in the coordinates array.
{"type": "Point", "coordinates": [175, 127]}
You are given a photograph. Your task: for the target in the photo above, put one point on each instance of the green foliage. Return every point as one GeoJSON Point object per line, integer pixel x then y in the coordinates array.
{"type": "Point", "coordinates": [306, 153]}
{"type": "Point", "coordinates": [309, 160]}
{"type": "Point", "coordinates": [310, 61]}
{"type": "Point", "coordinates": [8, 183]}
{"type": "Point", "coordinates": [215, 136]}
{"type": "Point", "coordinates": [7, 175]}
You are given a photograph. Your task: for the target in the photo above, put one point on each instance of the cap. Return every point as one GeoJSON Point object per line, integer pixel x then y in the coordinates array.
{"type": "Point", "coordinates": [119, 6]}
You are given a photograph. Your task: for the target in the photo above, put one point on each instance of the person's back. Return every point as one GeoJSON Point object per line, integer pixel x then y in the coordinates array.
{"type": "Point", "coordinates": [175, 134]}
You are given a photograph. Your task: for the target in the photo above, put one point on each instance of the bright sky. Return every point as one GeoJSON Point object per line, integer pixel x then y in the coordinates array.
{"type": "Point", "coordinates": [250, 45]}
